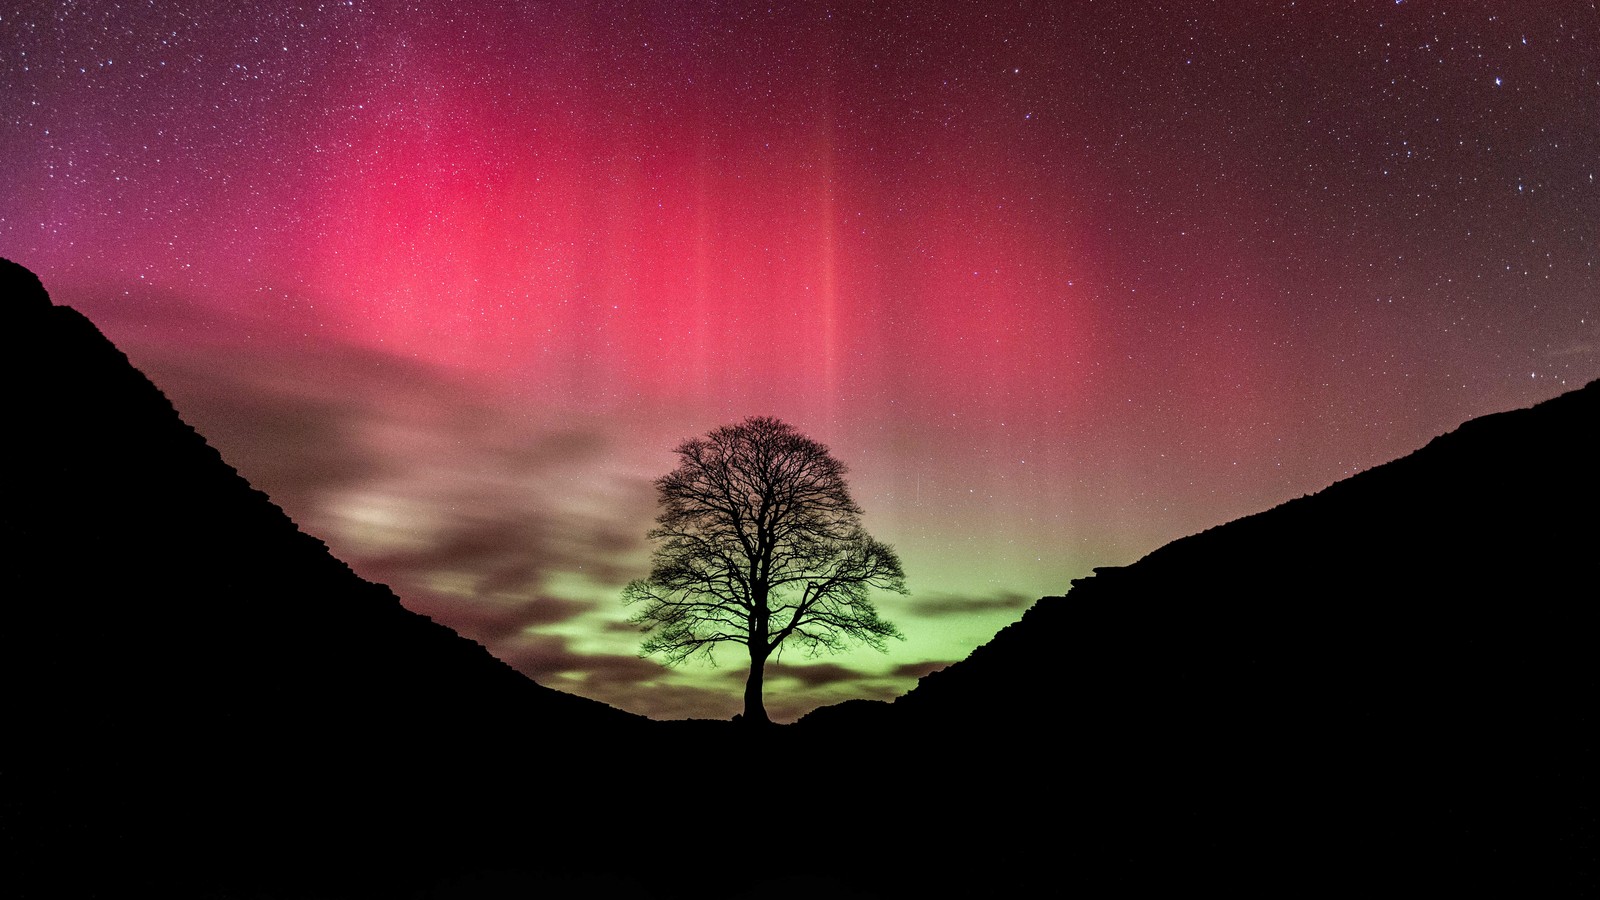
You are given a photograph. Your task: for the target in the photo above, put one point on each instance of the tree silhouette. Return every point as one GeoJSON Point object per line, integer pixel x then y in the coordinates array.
{"type": "Point", "coordinates": [759, 543]}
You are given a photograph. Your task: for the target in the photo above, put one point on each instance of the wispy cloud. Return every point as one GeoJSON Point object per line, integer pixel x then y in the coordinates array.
{"type": "Point", "coordinates": [544, 656]}
{"type": "Point", "coordinates": [919, 669]}
{"type": "Point", "coordinates": [816, 674]}
{"type": "Point", "coordinates": [939, 605]}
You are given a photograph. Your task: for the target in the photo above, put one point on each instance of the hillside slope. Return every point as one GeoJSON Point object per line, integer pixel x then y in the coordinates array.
{"type": "Point", "coordinates": [174, 644]}
{"type": "Point", "coordinates": [1389, 682]}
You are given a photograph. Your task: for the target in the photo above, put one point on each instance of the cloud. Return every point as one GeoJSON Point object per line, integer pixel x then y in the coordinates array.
{"type": "Point", "coordinates": [406, 469]}
{"type": "Point", "coordinates": [920, 669]}
{"type": "Point", "coordinates": [543, 656]}
{"type": "Point", "coordinates": [490, 623]}
{"type": "Point", "coordinates": [327, 429]}
{"type": "Point", "coordinates": [814, 675]}
{"type": "Point", "coordinates": [937, 605]}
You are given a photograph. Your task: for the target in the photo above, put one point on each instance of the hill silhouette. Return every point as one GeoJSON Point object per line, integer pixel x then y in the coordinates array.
{"type": "Point", "coordinates": [1384, 686]}
{"type": "Point", "coordinates": [182, 658]}
{"type": "Point", "coordinates": [1388, 683]}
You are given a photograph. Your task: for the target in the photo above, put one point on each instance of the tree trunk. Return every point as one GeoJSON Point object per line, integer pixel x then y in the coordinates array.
{"type": "Point", "coordinates": [755, 711]}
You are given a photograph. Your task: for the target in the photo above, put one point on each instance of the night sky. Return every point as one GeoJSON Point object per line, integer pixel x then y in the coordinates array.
{"type": "Point", "coordinates": [1058, 281]}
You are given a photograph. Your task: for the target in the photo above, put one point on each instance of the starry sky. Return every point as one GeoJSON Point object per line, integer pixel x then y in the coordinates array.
{"type": "Point", "coordinates": [1058, 281]}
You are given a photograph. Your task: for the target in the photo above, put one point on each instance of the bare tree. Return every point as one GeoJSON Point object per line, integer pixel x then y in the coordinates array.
{"type": "Point", "coordinates": [758, 543]}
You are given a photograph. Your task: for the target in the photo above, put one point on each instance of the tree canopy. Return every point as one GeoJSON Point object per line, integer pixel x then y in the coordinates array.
{"type": "Point", "coordinates": [759, 543]}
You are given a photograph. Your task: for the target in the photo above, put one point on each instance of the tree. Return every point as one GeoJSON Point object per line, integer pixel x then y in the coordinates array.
{"type": "Point", "coordinates": [759, 543]}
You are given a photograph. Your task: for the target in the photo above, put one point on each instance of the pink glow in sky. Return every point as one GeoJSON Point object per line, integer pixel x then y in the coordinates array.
{"type": "Point", "coordinates": [1059, 282]}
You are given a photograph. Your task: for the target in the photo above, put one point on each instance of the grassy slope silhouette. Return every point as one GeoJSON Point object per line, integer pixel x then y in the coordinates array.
{"type": "Point", "coordinates": [199, 689]}
{"type": "Point", "coordinates": [1385, 685]}
{"type": "Point", "coordinates": [1388, 684]}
